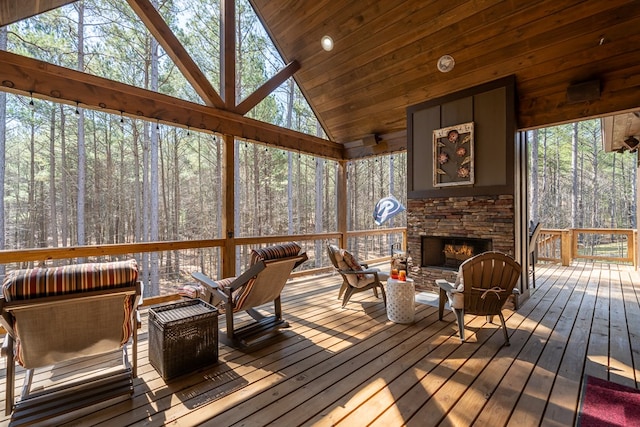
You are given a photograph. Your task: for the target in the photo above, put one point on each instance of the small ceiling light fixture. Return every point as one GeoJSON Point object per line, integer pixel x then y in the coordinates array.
{"type": "Point", "coordinates": [446, 63]}
{"type": "Point", "coordinates": [327, 43]}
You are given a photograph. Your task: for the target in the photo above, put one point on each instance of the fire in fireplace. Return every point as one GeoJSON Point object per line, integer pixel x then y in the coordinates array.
{"type": "Point", "coordinates": [450, 252]}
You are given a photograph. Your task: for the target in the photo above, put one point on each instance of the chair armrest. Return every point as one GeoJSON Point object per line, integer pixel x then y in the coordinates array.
{"type": "Point", "coordinates": [203, 278]}
{"type": "Point", "coordinates": [7, 345]}
{"type": "Point", "coordinates": [447, 286]}
{"type": "Point", "coordinates": [140, 284]}
{"type": "Point", "coordinates": [367, 271]}
{"type": "Point", "coordinates": [5, 318]}
{"type": "Point", "coordinates": [213, 293]}
{"type": "Point", "coordinates": [303, 258]}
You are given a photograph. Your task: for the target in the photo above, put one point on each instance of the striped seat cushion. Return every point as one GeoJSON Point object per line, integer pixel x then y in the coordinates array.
{"type": "Point", "coordinates": [44, 282]}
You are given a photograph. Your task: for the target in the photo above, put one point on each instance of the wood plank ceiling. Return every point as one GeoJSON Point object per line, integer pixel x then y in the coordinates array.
{"type": "Point", "coordinates": [385, 56]}
{"type": "Point", "coordinates": [386, 52]}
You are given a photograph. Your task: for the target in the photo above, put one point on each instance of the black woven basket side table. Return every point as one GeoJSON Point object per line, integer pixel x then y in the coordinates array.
{"type": "Point", "coordinates": [183, 337]}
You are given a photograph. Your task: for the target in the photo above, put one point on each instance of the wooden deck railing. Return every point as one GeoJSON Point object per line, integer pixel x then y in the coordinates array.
{"type": "Point", "coordinates": [205, 254]}
{"type": "Point", "coordinates": [602, 244]}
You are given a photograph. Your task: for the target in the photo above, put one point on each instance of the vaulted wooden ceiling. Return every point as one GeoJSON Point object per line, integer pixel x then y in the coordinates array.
{"type": "Point", "coordinates": [385, 57]}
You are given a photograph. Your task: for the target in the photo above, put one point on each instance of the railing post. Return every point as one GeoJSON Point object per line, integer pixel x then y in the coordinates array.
{"type": "Point", "coordinates": [566, 247]}
{"type": "Point", "coordinates": [342, 203]}
{"type": "Point", "coordinates": [229, 203]}
{"type": "Point", "coordinates": [632, 248]}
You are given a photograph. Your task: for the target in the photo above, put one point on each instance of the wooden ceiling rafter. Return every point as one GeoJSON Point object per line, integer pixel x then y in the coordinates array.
{"type": "Point", "coordinates": [30, 77]}
{"type": "Point", "coordinates": [27, 76]}
{"type": "Point", "coordinates": [181, 58]}
{"type": "Point", "coordinates": [269, 86]}
{"type": "Point", "coordinates": [16, 10]}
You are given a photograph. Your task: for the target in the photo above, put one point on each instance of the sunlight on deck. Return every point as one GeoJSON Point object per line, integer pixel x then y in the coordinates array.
{"type": "Point", "coordinates": [354, 367]}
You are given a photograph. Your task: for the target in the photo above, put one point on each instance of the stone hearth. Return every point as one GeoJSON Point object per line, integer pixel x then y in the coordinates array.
{"type": "Point", "coordinates": [475, 217]}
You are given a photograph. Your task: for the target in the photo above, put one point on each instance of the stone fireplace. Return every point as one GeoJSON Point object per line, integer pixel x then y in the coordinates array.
{"type": "Point", "coordinates": [459, 226]}
{"type": "Point", "coordinates": [450, 252]}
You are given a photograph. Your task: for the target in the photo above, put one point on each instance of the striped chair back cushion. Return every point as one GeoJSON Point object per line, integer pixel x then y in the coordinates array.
{"type": "Point", "coordinates": [43, 282]}
{"type": "Point", "coordinates": [284, 250]}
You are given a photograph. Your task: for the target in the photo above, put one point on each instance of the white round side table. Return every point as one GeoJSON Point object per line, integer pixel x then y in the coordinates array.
{"type": "Point", "coordinates": [401, 300]}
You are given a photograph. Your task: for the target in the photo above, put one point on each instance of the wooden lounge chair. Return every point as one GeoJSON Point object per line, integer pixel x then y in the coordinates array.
{"type": "Point", "coordinates": [262, 283]}
{"type": "Point", "coordinates": [482, 287]}
{"type": "Point", "coordinates": [55, 315]}
{"type": "Point", "coordinates": [356, 276]}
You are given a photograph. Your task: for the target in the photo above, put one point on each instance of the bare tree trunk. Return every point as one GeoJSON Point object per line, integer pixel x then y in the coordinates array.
{"type": "Point", "coordinates": [82, 161]}
{"type": "Point", "coordinates": [319, 191]}
{"type": "Point", "coordinates": [32, 184]}
{"type": "Point", "coordinates": [612, 192]}
{"type": "Point", "coordinates": [290, 160]}
{"type": "Point", "coordinates": [52, 181]}
{"type": "Point", "coordinates": [140, 190]}
{"type": "Point", "coordinates": [257, 229]}
{"type": "Point", "coordinates": [176, 200]}
{"type": "Point", "coordinates": [574, 178]}
{"type": "Point", "coordinates": [151, 185]}
{"type": "Point", "coordinates": [3, 129]}
{"type": "Point", "coordinates": [535, 188]}
{"type": "Point", "coordinates": [65, 189]}
{"type": "Point", "coordinates": [594, 207]}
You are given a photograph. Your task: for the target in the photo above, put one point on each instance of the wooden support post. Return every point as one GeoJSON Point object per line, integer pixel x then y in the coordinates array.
{"type": "Point", "coordinates": [342, 203]}
{"type": "Point", "coordinates": [567, 247]}
{"type": "Point", "coordinates": [228, 208]}
{"type": "Point", "coordinates": [228, 53]}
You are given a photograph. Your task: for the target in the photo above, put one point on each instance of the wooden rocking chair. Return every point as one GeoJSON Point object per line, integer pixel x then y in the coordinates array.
{"type": "Point", "coordinates": [262, 283]}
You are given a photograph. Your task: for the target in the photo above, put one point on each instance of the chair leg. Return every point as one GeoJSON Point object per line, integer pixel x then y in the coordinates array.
{"type": "Point", "coordinates": [10, 375]}
{"type": "Point", "coordinates": [384, 295]}
{"type": "Point", "coordinates": [278, 308]}
{"type": "Point", "coordinates": [375, 291]}
{"type": "Point", "coordinates": [504, 329]}
{"type": "Point", "coordinates": [441, 302]}
{"type": "Point", "coordinates": [343, 288]}
{"type": "Point", "coordinates": [533, 275]}
{"type": "Point", "coordinates": [347, 296]}
{"type": "Point", "coordinates": [460, 316]}
{"type": "Point", "coordinates": [229, 318]}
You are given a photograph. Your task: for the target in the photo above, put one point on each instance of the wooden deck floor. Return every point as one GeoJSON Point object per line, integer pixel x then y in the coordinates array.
{"type": "Point", "coordinates": [353, 367]}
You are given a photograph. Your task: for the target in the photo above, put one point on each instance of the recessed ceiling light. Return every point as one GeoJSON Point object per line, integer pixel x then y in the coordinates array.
{"type": "Point", "coordinates": [327, 43]}
{"type": "Point", "coordinates": [446, 63]}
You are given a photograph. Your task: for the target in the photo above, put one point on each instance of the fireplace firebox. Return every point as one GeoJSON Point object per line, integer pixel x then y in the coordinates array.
{"type": "Point", "coordinates": [449, 252]}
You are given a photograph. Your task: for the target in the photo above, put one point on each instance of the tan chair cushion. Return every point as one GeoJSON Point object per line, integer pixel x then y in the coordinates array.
{"type": "Point", "coordinates": [349, 262]}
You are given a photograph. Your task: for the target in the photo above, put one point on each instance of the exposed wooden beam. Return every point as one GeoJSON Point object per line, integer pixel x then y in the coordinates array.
{"type": "Point", "coordinates": [16, 10]}
{"type": "Point", "coordinates": [228, 52]}
{"type": "Point", "coordinates": [170, 43]}
{"type": "Point", "coordinates": [269, 86]}
{"type": "Point", "coordinates": [22, 75]}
